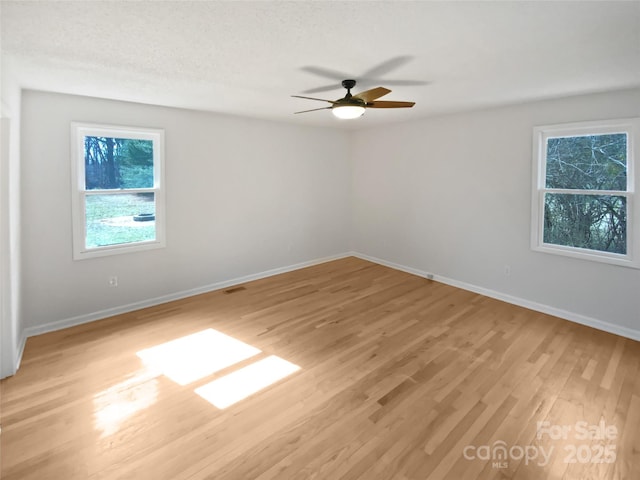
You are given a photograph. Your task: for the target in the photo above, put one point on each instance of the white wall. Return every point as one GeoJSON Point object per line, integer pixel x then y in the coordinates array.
{"type": "Point", "coordinates": [243, 197]}
{"type": "Point", "coordinates": [452, 196]}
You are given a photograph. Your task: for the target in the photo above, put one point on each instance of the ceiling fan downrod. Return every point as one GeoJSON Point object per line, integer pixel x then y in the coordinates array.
{"type": "Point", "coordinates": [348, 84]}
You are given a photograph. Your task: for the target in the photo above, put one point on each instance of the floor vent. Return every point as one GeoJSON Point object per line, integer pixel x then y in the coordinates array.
{"type": "Point", "coordinates": [234, 289]}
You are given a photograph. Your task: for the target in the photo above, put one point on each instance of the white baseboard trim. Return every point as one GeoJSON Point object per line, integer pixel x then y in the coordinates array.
{"type": "Point", "coordinates": [521, 302]}
{"type": "Point", "coordinates": [109, 312]}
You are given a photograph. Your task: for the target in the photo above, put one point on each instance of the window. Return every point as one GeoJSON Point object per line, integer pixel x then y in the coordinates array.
{"type": "Point", "coordinates": [585, 203]}
{"type": "Point", "coordinates": [118, 197]}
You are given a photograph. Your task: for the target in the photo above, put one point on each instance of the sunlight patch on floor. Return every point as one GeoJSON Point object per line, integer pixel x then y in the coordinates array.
{"type": "Point", "coordinates": [238, 385]}
{"type": "Point", "coordinates": [117, 403]}
{"type": "Point", "coordinates": [196, 356]}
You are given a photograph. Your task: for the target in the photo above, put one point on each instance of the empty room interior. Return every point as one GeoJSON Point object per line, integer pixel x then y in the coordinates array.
{"type": "Point", "coordinates": [319, 240]}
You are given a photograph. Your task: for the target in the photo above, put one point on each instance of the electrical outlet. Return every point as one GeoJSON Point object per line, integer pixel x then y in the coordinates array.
{"type": "Point", "coordinates": [113, 281]}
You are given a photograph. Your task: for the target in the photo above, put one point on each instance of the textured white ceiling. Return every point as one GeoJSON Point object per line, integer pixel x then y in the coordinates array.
{"type": "Point", "coordinates": [247, 58]}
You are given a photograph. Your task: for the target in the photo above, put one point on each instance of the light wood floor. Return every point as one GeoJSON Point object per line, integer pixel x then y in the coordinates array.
{"type": "Point", "coordinates": [401, 378]}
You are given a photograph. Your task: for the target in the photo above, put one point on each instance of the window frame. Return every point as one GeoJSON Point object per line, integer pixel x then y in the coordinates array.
{"type": "Point", "coordinates": [630, 126]}
{"type": "Point", "coordinates": [80, 130]}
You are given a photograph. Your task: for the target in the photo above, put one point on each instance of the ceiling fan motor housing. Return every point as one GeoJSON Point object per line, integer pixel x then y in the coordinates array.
{"type": "Point", "coordinates": [350, 101]}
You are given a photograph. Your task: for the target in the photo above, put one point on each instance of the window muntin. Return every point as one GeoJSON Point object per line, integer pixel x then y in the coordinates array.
{"type": "Point", "coordinates": [583, 193]}
{"type": "Point", "coordinates": [118, 202]}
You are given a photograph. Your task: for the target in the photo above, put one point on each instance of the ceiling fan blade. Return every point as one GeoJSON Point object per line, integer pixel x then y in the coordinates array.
{"type": "Point", "coordinates": [314, 109]}
{"type": "Point", "coordinates": [404, 83]}
{"type": "Point", "coordinates": [311, 98]}
{"type": "Point", "coordinates": [327, 73]}
{"type": "Point", "coordinates": [326, 88]}
{"type": "Point", "coordinates": [370, 95]}
{"type": "Point", "coordinates": [390, 104]}
{"type": "Point", "coordinates": [366, 82]}
{"type": "Point", "coordinates": [387, 66]}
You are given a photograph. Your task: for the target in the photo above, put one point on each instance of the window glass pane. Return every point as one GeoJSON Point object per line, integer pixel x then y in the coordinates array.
{"type": "Point", "coordinates": [594, 162]}
{"type": "Point", "coordinates": [594, 222]}
{"type": "Point", "coordinates": [114, 163]}
{"type": "Point", "coordinates": [114, 219]}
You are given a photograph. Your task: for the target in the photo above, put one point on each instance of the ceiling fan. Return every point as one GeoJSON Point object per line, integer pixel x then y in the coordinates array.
{"type": "Point", "coordinates": [353, 106]}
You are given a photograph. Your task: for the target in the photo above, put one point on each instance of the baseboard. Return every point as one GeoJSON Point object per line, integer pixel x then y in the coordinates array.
{"type": "Point", "coordinates": [109, 312]}
{"type": "Point", "coordinates": [521, 302]}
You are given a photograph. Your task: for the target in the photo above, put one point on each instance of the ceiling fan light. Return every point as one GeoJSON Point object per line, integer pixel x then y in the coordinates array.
{"type": "Point", "coordinates": [347, 112]}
